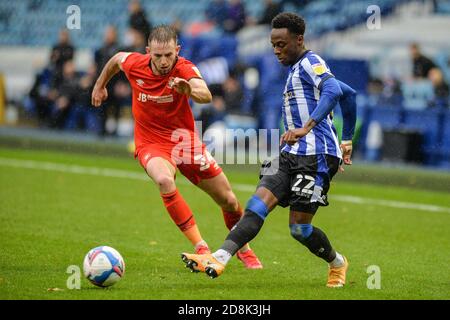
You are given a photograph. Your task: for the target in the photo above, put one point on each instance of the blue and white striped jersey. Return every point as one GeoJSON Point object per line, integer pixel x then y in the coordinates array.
{"type": "Point", "coordinates": [301, 96]}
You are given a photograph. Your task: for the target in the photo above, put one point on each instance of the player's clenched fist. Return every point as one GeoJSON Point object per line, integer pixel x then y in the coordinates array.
{"type": "Point", "coordinates": [98, 96]}
{"type": "Point", "coordinates": [347, 149]}
{"type": "Point", "coordinates": [181, 86]}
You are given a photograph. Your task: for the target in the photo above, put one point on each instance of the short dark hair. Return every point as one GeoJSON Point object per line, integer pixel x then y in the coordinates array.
{"type": "Point", "coordinates": [293, 22]}
{"type": "Point", "coordinates": [163, 33]}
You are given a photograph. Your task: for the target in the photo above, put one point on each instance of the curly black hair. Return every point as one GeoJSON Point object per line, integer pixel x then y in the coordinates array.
{"type": "Point", "coordinates": [293, 22]}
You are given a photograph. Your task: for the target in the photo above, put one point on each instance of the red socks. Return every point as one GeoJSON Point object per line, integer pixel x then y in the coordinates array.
{"type": "Point", "coordinates": [178, 210]}
{"type": "Point", "coordinates": [231, 218]}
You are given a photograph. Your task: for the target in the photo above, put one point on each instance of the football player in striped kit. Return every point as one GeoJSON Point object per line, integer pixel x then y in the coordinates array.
{"type": "Point", "coordinates": [300, 177]}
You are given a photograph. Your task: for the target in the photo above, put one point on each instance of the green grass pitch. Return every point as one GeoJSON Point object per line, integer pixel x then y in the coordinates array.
{"type": "Point", "coordinates": [49, 219]}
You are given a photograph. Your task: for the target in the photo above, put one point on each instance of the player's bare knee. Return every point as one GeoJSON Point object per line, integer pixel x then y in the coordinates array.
{"type": "Point", "coordinates": [230, 202]}
{"type": "Point", "coordinates": [165, 183]}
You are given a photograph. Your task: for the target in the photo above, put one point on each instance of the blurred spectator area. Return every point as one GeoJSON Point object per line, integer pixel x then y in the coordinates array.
{"type": "Point", "coordinates": [35, 22]}
{"type": "Point", "coordinates": [432, 126]}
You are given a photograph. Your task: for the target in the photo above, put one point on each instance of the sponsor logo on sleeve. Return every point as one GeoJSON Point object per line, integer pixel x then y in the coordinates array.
{"type": "Point", "coordinates": [319, 69]}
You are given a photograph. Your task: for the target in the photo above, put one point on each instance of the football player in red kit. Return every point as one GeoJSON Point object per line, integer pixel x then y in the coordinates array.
{"type": "Point", "coordinates": [165, 136]}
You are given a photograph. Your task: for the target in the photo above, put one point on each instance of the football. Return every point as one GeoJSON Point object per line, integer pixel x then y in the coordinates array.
{"type": "Point", "coordinates": [103, 266]}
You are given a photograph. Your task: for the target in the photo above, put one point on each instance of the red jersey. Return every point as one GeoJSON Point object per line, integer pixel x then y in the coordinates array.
{"type": "Point", "coordinates": [158, 110]}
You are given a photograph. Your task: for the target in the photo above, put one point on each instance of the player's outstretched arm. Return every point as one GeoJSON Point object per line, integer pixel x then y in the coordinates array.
{"type": "Point", "coordinates": [200, 92]}
{"type": "Point", "coordinates": [112, 67]}
{"type": "Point", "coordinates": [330, 93]}
{"type": "Point", "coordinates": [348, 107]}
{"type": "Point", "coordinates": [194, 88]}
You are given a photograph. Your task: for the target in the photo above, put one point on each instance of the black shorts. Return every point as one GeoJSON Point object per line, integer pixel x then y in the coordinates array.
{"type": "Point", "coordinates": [301, 182]}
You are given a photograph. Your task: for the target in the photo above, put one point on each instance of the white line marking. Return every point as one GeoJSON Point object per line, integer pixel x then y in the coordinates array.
{"type": "Point", "coordinates": [391, 203]}
{"type": "Point", "coordinates": [117, 173]}
{"type": "Point", "coordinates": [51, 166]}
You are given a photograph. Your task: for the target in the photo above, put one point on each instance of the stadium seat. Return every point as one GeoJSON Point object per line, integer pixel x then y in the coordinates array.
{"type": "Point", "coordinates": [443, 7]}
{"type": "Point", "coordinates": [428, 122]}
{"type": "Point", "coordinates": [323, 16]}
{"type": "Point", "coordinates": [445, 141]}
{"type": "Point", "coordinates": [417, 94]}
{"type": "Point", "coordinates": [388, 117]}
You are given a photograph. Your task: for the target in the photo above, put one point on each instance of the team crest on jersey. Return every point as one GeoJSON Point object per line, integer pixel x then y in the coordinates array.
{"type": "Point", "coordinates": [140, 82]}
{"type": "Point", "coordinates": [171, 82]}
{"type": "Point", "coordinates": [319, 69]}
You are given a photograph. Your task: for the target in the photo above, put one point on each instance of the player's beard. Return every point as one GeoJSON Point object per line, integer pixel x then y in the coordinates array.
{"type": "Point", "coordinates": [161, 71]}
{"type": "Point", "coordinates": [164, 71]}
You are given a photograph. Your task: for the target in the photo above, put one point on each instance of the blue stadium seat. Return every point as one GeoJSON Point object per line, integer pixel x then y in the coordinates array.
{"type": "Point", "coordinates": [417, 94]}
{"type": "Point", "coordinates": [428, 123]}
{"type": "Point", "coordinates": [445, 141]}
{"type": "Point", "coordinates": [388, 117]}
{"type": "Point", "coordinates": [443, 7]}
{"type": "Point", "coordinates": [323, 16]}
